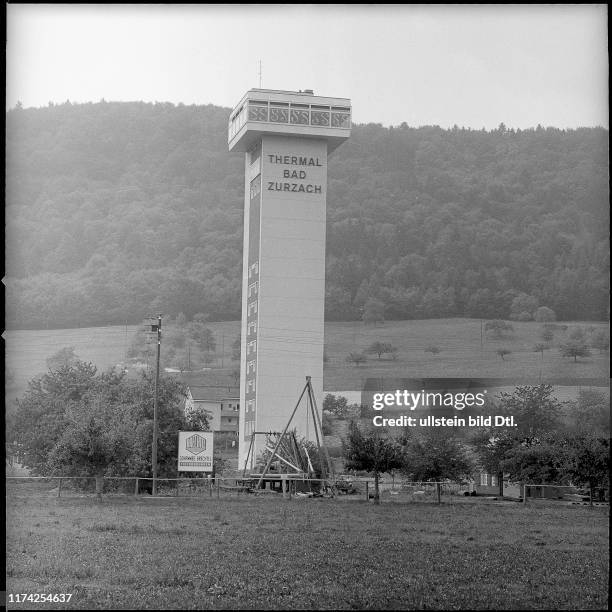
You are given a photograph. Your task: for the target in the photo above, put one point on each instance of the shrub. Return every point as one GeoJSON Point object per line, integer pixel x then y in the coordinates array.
{"type": "Point", "coordinates": [544, 315]}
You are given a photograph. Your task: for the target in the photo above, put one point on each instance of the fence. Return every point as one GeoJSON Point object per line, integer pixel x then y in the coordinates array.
{"type": "Point", "coordinates": [80, 486]}
{"type": "Point", "coordinates": [71, 486]}
{"type": "Point", "coordinates": [413, 491]}
{"type": "Point", "coordinates": [224, 488]}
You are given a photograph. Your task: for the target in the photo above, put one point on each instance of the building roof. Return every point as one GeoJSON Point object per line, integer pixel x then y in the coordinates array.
{"type": "Point", "coordinates": [213, 394]}
{"type": "Point", "coordinates": [291, 113]}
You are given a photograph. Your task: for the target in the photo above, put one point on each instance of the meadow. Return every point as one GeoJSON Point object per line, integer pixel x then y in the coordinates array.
{"type": "Point", "coordinates": [265, 552]}
{"type": "Point", "coordinates": [464, 352]}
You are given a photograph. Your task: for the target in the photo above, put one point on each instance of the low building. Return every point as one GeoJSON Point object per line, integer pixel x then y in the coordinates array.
{"type": "Point", "coordinates": [223, 407]}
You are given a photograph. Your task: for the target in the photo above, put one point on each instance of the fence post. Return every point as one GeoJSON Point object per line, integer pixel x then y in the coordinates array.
{"type": "Point", "coordinates": [59, 488]}
{"type": "Point", "coordinates": [177, 488]}
{"type": "Point", "coordinates": [367, 492]}
{"type": "Point", "coordinates": [524, 495]}
{"type": "Point", "coordinates": [284, 485]}
{"type": "Point", "coordinates": [218, 485]}
{"type": "Point", "coordinates": [136, 488]}
{"type": "Point", "coordinates": [210, 486]}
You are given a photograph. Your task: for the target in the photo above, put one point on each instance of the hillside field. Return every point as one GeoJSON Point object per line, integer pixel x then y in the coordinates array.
{"type": "Point", "coordinates": [270, 553]}
{"type": "Point", "coordinates": [459, 340]}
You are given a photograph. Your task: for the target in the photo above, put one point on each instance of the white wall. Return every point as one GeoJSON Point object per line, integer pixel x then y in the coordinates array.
{"type": "Point", "coordinates": [291, 288]}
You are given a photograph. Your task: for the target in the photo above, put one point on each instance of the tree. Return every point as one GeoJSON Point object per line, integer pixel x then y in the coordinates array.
{"type": "Point", "coordinates": [540, 348]}
{"type": "Point", "coordinates": [373, 311]}
{"type": "Point", "coordinates": [575, 348]}
{"type": "Point", "coordinates": [544, 315]}
{"type": "Point", "coordinates": [202, 336]}
{"type": "Point", "coordinates": [64, 411]}
{"type": "Point", "coordinates": [434, 350]}
{"type": "Point", "coordinates": [588, 461]}
{"type": "Point", "coordinates": [64, 357]}
{"type": "Point", "coordinates": [491, 446]}
{"type": "Point", "coordinates": [536, 411]}
{"type": "Point", "coordinates": [40, 414]}
{"type": "Point", "coordinates": [591, 412]}
{"type": "Point", "coordinates": [502, 352]}
{"type": "Point", "coordinates": [547, 334]}
{"type": "Point", "coordinates": [436, 455]}
{"type": "Point", "coordinates": [415, 249]}
{"type": "Point", "coordinates": [336, 405]}
{"type": "Point", "coordinates": [371, 452]}
{"type": "Point", "coordinates": [356, 358]}
{"type": "Point", "coordinates": [538, 463]}
{"type": "Point", "coordinates": [95, 436]}
{"type": "Point", "coordinates": [197, 419]}
{"type": "Point", "coordinates": [380, 348]}
{"type": "Point", "coordinates": [523, 307]}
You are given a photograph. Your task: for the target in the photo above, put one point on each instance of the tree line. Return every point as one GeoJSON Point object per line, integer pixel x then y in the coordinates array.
{"type": "Point", "coordinates": [118, 209]}
{"type": "Point", "coordinates": [74, 420]}
{"type": "Point", "coordinates": [551, 444]}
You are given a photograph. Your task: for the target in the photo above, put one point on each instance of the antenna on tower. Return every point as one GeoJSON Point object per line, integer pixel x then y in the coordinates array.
{"type": "Point", "coordinates": [259, 74]}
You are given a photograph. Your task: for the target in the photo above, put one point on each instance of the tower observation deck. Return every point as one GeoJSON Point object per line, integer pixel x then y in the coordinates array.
{"type": "Point", "coordinates": [286, 137]}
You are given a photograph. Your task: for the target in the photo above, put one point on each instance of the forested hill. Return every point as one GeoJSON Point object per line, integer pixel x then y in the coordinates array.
{"type": "Point", "coordinates": [117, 210]}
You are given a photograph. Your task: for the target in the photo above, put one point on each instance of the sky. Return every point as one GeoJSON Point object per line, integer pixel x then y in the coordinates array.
{"type": "Point", "coordinates": [467, 65]}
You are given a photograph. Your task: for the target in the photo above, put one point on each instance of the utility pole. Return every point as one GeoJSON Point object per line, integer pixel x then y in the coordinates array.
{"type": "Point", "coordinates": [156, 328]}
{"type": "Point", "coordinates": [222, 349]}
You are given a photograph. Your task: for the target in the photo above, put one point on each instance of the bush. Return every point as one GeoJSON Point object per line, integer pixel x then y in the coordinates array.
{"type": "Point", "coordinates": [544, 315]}
{"type": "Point", "coordinates": [523, 305]}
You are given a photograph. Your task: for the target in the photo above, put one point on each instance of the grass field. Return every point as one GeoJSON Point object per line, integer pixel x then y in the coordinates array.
{"type": "Point", "coordinates": [459, 340]}
{"type": "Point", "coordinates": [461, 353]}
{"type": "Point", "coordinates": [258, 552]}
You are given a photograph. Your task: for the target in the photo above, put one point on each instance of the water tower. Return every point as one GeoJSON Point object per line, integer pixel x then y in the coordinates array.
{"type": "Point", "coordinates": [286, 137]}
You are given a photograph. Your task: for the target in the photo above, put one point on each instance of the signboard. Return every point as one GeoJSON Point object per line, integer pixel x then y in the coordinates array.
{"type": "Point", "coordinates": [195, 451]}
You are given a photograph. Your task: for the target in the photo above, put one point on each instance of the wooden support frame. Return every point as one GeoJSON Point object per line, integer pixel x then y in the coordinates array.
{"type": "Point", "coordinates": [327, 471]}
